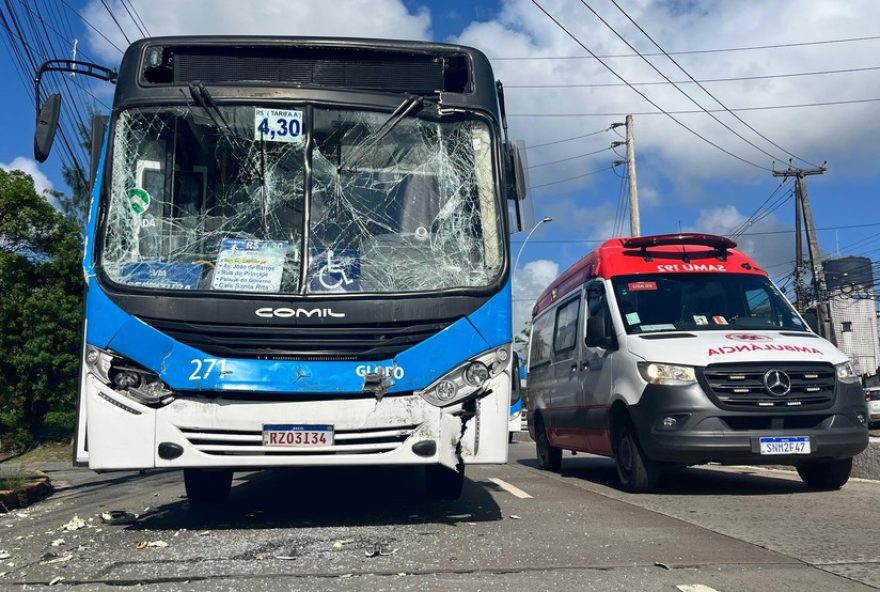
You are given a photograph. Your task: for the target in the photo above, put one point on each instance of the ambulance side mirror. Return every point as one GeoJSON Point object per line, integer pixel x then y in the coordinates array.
{"type": "Point", "coordinates": [600, 329]}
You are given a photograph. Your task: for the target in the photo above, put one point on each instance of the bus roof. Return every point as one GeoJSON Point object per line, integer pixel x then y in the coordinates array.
{"type": "Point", "coordinates": [663, 253]}
{"type": "Point", "coordinates": [156, 68]}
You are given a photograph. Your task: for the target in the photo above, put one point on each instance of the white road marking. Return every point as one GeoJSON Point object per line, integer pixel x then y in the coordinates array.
{"type": "Point", "coordinates": [695, 588]}
{"type": "Point", "coordinates": [512, 489]}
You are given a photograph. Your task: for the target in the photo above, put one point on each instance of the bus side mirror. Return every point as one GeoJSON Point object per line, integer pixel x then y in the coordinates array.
{"type": "Point", "coordinates": [47, 125]}
{"type": "Point", "coordinates": [99, 128]}
{"type": "Point", "coordinates": [518, 186]}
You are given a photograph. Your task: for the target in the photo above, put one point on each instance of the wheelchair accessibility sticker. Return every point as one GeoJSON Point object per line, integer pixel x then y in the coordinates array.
{"type": "Point", "coordinates": [335, 270]}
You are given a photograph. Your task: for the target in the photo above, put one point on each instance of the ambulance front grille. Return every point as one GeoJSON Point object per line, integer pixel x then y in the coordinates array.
{"type": "Point", "coordinates": [742, 386]}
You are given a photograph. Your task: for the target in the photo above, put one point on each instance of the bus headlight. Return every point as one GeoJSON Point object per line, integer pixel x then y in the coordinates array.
{"type": "Point", "coordinates": [668, 374]}
{"type": "Point", "coordinates": [467, 379]}
{"type": "Point", "coordinates": [846, 372]}
{"type": "Point", "coordinates": [128, 378]}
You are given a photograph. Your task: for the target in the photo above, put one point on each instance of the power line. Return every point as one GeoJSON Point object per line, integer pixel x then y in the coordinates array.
{"type": "Point", "coordinates": [701, 80]}
{"type": "Point", "coordinates": [90, 25]}
{"type": "Point", "coordinates": [769, 232]}
{"type": "Point", "coordinates": [641, 94]}
{"type": "Point", "coordinates": [701, 87]}
{"type": "Point", "coordinates": [118, 26]}
{"type": "Point", "coordinates": [543, 164]}
{"type": "Point", "coordinates": [750, 220]}
{"type": "Point", "coordinates": [596, 133]}
{"type": "Point", "coordinates": [140, 25]}
{"type": "Point", "coordinates": [679, 89]}
{"type": "Point", "coordinates": [596, 172]}
{"type": "Point", "coordinates": [696, 111]}
{"type": "Point", "coordinates": [695, 51]}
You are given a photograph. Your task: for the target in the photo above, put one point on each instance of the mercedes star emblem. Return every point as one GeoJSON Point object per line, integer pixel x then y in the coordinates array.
{"type": "Point", "coordinates": [777, 383]}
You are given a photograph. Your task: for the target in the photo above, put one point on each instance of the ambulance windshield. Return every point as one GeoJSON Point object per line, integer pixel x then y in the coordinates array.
{"type": "Point", "coordinates": [702, 302]}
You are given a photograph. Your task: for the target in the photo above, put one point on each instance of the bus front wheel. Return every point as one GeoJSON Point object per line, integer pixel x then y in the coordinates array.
{"type": "Point", "coordinates": [205, 486]}
{"type": "Point", "coordinates": [442, 483]}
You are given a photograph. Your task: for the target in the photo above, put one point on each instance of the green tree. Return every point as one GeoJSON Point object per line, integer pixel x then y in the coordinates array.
{"type": "Point", "coordinates": [41, 294]}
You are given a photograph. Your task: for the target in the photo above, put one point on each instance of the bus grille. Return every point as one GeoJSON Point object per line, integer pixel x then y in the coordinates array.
{"type": "Point", "coordinates": [325, 343]}
{"type": "Point", "coordinates": [741, 386]}
{"type": "Point", "coordinates": [250, 443]}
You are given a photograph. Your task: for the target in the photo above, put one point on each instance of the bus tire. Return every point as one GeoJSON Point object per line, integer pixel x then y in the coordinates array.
{"type": "Point", "coordinates": [637, 473]}
{"type": "Point", "coordinates": [205, 486]}
{"type": "Point", "coordinates": [549, 457]}
{"type": "Point", "coordinates": [442, 483]}
{"type": "Point", "coordinates": [826, 475]}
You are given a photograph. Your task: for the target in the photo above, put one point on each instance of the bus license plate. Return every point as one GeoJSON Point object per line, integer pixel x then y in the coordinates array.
{"type": "Point", "coordinates": [785, 445]}
{"type": "Point", "coordinates": [298, 436]}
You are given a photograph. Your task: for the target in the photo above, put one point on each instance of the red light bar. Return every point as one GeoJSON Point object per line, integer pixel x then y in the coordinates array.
{"type": "Point", "coordinates": [722, 243]}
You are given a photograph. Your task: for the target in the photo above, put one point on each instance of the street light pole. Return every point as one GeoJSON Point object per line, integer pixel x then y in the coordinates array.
{"type": "Point", "coordinates": [528, 236]}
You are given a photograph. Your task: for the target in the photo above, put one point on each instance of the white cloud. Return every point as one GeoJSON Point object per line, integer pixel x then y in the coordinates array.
{"type": "Point", "coordinates": [339, 18]}
{"type": "Point", "coordinates": [528, 283]}
{"type": "Point", "coordinates": [664, 148]}
{"type": "Point", "coordinates": [41, 182]}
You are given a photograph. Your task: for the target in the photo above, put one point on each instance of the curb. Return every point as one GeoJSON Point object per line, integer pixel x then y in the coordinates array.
{"type": "Point", "coordinates": [37, 487]}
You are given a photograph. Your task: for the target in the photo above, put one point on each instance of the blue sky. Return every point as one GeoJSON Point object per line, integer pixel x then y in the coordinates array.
{"type": "Point", "coordinates": [683, 181]}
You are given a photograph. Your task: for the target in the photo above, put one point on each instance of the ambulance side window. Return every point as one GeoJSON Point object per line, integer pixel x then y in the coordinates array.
{"type": "Point", "coordinates": [542, 331]}
{"type": "Point", "coordinates": [565, 338]}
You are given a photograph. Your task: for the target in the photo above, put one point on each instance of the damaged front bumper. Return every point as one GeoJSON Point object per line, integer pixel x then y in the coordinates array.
{"type": "Point", "coordinates": [227, 431]}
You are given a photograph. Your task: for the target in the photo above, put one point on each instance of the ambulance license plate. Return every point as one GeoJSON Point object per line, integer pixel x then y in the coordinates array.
{"type": "Point", "coordinates": [785, 445]}
{"type": "Point", "coordinates": [297, 435]}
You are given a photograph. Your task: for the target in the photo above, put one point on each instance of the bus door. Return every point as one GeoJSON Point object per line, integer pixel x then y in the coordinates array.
{"type": "Point", "coordinates": [595, 372]}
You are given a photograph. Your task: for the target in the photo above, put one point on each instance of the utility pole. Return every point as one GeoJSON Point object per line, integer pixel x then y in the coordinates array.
{"type": "Point", "coordinates": [634, 224]}
{"type": "Point", "coordinates": [820, 288]}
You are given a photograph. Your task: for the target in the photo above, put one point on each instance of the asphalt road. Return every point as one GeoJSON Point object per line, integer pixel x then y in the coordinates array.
{"type": "Point", "coordinates": [724, 529]}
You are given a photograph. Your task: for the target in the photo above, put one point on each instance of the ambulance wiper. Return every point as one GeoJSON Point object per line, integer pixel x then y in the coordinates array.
{"type": "Point", "coordinates": [405, 108]}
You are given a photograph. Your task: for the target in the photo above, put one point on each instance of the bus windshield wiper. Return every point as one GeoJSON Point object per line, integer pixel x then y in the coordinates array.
{"type": "Point", "coordinates": [405, 108]}
{"type": "Point", "coordinates": [203, 98]}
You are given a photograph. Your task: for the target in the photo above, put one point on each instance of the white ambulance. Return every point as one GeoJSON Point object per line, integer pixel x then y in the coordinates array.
{"type": "Point", "coordinates": [675, 350]}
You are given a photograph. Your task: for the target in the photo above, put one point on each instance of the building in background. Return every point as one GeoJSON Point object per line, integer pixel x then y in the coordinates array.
{"type": "Point", "coordinates": [850, 282]}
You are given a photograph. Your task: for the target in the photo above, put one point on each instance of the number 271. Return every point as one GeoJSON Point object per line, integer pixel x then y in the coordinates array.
{"type": "Point", "coordinates": [204, 368]}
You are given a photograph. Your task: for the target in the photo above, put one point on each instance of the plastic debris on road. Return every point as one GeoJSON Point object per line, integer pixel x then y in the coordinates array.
{"type": "Point", "coordinates": [119, 517]}
{"type": "Point", "coordinates": [75, 524]}
{"type": "Point", "coordinates": [150, 544]}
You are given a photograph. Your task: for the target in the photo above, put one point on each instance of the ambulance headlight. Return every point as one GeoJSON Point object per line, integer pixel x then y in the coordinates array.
{"type": "Point", "coordinates": [465, 380]}
{"type": "Point", "coordinates": [846, 372]}
{"type": "Point", "coordinates": [667, 374]}
{"type": "Point", "coordinates": [128, 378]}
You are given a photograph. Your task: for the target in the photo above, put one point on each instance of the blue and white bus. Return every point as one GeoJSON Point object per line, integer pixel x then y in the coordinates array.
{"type": "Point", "coordinates": [297, 255]}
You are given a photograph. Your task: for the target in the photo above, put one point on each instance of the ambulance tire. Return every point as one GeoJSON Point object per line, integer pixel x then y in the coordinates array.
{"type": "Point", "coordinates": [637, 473]}
{"type": "Point", "coordinates": [549, 457]}
{"type": "Point", "coordinates": [442, 483]}
{"type": "Point", "coordinates": [826, 475]}
{"type": "Point", "coordinates": [205, 486]}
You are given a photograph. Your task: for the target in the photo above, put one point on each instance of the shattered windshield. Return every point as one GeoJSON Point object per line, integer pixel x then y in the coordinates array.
{"type": "Point", "coordinates": [702, 301]}
{"type": "Point", "coordinates": [217, 200]}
